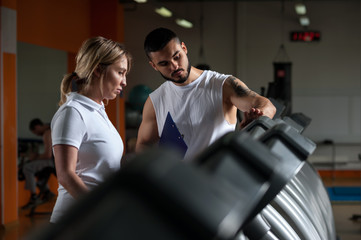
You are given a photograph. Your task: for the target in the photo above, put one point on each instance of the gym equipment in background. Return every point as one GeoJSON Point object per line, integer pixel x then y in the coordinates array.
{"type": "Point", "coordinates": [134, 106]}
{"type": "Point", "coordinates": [301, 119]}
{"type": "Point", "coordinates": [281, 87]}
{"type": "Point", "coordinates": [137, 97]}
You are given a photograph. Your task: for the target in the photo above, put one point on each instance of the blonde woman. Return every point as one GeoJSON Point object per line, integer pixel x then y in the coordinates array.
{"type": "Point", "coordinates": [87, 148]}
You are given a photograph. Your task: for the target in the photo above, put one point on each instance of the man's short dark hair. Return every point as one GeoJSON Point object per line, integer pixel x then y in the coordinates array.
{"type": "Point", "coordinates": [35, 122]}
{"type": "Point", "coordinates": [157, 39]}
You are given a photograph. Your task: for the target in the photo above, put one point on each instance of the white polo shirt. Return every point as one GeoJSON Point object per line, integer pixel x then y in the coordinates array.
{"type": "Point", "coordinates": [84, 124]}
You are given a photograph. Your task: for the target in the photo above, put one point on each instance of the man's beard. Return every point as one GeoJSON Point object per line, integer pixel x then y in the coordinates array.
{"type": "Point", "coordinates": [182, 79]}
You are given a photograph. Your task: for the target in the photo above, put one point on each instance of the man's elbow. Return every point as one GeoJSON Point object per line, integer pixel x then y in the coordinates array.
{"type": "Point", "coordinates": [271, 109]}
{"type": "Point", "coordinates": [140, 146]}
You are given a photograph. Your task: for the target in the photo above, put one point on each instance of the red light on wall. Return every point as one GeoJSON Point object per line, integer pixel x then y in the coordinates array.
{"type": "Point", "coordinates": [305, 36]}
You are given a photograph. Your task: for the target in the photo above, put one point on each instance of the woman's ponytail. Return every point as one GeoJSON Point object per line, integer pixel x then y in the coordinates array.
{"type": "Point", "coordinates": [66, 86]}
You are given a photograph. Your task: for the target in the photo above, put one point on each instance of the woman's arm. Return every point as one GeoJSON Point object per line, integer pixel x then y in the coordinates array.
{"type": "Point", "coordinates": [66, 157]}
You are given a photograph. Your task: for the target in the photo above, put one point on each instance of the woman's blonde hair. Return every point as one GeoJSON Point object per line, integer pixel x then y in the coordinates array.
{"type": "Point", "coordinates": [95, 53]}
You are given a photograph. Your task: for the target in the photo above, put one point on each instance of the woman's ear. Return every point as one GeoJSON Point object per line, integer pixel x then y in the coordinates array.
{"type": "Point", "coordinates": [98, 71]}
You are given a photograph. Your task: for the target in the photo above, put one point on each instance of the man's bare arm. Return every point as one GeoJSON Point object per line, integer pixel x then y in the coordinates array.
{"type": "Point", "coordinates": [246, 100]}
{"type": "Point", "coordinates": [148, 130]}
{"type": "Point", "coordinates": [236, 93]}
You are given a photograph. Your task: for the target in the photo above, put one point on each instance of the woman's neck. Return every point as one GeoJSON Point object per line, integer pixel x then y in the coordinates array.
{"type": "Point", "coordinates": [94, 95]}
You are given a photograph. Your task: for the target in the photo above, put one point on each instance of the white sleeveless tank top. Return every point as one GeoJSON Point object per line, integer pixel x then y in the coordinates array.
{"type": "Point", "coordinates": [196, 109]}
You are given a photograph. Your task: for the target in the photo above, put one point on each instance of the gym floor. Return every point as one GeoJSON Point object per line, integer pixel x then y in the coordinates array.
{"type": "Point", "coordinates": [344, 211]}
{"type": "Point", "coordinates": [333, 175]}
{"type": "Point", "coordinates": [340, 166]}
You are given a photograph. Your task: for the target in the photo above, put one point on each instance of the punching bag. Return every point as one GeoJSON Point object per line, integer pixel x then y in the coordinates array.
{"type": "Point", "coordinates": [282, 82]}
{"type": "Point", "coordinates": [281, 89]}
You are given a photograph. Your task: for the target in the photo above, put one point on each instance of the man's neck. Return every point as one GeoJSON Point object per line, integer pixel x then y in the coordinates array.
{"type": "Point", "coordinates": [193, 75]}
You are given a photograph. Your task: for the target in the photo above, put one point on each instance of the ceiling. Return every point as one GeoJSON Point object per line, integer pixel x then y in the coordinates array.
{"type": "Point", "coordinates": [132, 1]}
